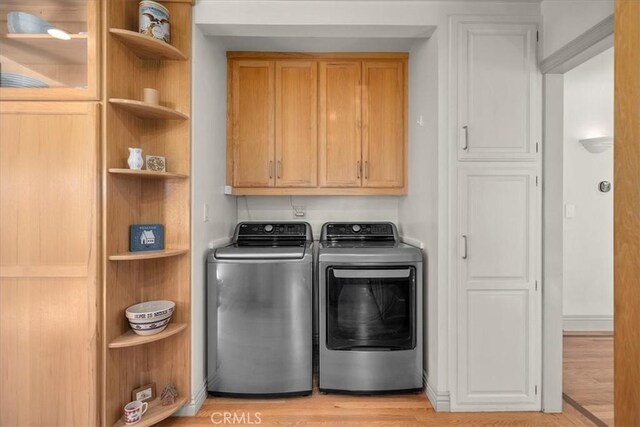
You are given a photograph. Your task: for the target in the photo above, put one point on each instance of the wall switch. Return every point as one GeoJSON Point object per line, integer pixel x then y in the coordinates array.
{"type": "Point", "coordinates": [205, 212]}
{"type": "Point", "coordinates": [228, 190]}
{"type": "Point", "coordinates": [569, 211]}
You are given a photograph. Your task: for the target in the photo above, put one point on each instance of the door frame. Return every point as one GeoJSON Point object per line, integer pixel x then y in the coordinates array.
{"type": "Point", "coordinates": [584, 47]}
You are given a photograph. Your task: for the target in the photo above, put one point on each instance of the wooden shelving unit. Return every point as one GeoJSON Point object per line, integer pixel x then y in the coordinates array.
{"type": "Point", "coordinates": [148, 111]}
{"type": "Point", "coordinates": [137, 256]}
{"type": "Point", "coordinates": [133, 62]}
{"type": "Point", "coordinates": [148, 174]}
{"type": "Point", "coordinates": [130, 338]}
{"type": "Point", "coordinates": [156, 413]}
{"type": "Point", "coordinates": [145, 47]}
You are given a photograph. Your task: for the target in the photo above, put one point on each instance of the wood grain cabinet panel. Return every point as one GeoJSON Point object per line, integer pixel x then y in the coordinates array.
{"type": "Point", "coordinates": [253, 123]}
{"type": "Point", "coordinates": [296, 123]}
{"type": "Point", "coordinates": [340, 123]}
{"type": "Point", "coordinates": [340, 154]}
{"type": "Point", "coordinates": [383, 124]}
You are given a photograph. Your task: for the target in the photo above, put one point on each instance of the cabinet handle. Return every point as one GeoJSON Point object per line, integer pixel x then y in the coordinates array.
{"type": "Point", "coordinates": [358, 169]}
{"type": "Point", "coordinates": [466, 138]}
{"type": "Point", "coordinates": [464, 246]}
{"type": "Point", "coordinates": [366, 170]}
{"type": "Point", "coordinates": [270, 169]}
{"type": "Point", "coordinates": [279, 170]}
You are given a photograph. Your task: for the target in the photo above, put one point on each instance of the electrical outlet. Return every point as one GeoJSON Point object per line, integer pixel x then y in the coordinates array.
{"type": "Point", "coordinates": [299, 211]}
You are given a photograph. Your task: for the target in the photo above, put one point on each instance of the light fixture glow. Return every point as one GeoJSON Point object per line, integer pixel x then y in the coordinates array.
{"type": "Point", "coordinates": [58, 33]}
{"type": "Point", "coordinates": [597, 145]}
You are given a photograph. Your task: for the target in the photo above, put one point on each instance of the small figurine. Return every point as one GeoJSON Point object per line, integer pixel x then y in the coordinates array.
{"type": "Point", "coordinates": [168, 395]}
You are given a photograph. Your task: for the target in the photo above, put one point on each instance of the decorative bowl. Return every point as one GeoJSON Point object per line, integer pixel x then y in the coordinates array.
{"type": "Point", "coordinates": [151, 310]}
{"type": "Point", "coordinates": [150, 328]}
{"type": "Point", "coordinates": [24, 23]}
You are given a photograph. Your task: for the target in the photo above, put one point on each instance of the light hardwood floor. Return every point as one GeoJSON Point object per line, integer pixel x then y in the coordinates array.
{"type": "Point", "coordinates": [320, 410]}
{"type": "Point", "coordinates": [588, 381]}
{"type": "Point", "coordinates": [588, 374]}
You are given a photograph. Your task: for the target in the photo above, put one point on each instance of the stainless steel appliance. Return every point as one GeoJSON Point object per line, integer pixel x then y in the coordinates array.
{"type": "Point", "coordinates": [259, 313]}
{"type": "Point", "coordinates": [370, 309]}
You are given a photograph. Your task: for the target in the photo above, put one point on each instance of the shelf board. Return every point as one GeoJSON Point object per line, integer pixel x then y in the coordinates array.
{"type": "Point", "coordinates": [148, 111]}
{"type": "Point", "coordinates": [130, 338]}
{"type": "Point", "coordinates": [156, 413]}
{"type": "Point", "coordinates": [133, 256]}
{"type": "Point", "coordinates": [44, 49]}
{"type": "Point", "coordinates": [148, 174]}
{"type": "Point", "coordinates": [146, 47]}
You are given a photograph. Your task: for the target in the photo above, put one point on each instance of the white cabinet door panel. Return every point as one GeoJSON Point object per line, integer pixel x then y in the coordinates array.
{"type": "Point", "coordinates": [497, 68]}
{"type": "Point", "coordinates": [498, 229]}
{"type": "Point", "coordinates": [498, 304]}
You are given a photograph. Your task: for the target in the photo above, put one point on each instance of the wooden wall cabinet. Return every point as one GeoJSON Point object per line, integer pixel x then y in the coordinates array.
{"type": "Point", "coordinates": [65, 69]}
{"type": "Point", "coordinates": [317, 124]}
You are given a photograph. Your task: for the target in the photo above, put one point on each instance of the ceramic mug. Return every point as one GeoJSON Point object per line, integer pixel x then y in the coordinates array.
{"type": "Point", "coordinates": [150, 96]}
{"type": "Point", "coordinates": [133, 411]}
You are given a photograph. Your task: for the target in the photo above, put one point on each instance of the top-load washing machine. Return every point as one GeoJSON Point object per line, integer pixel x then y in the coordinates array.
{"type": "Point", "coordinates": [259, 311]}
{"type": "Point", "coordinates": [370, 310]}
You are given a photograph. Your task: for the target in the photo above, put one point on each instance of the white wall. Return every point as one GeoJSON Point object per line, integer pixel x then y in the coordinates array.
{"type": "Point", "coordinates": [564, 20]}
{"type": "Point", "coordinates": [208, 162]}
{"type": "Point", "coordinates": [588, 238]}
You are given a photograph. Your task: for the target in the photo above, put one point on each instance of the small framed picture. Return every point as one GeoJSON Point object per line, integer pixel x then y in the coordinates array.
{"type": "Point", "coordinates": [145, 393]}
{"type": "Point", "coordinates": [156, 164]}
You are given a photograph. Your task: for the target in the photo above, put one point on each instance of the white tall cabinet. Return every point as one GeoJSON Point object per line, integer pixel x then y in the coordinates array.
{"type": "Point", "coordinates": [496, 224]}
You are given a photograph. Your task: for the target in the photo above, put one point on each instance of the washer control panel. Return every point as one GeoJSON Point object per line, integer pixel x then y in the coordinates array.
{"type": "Point", "coordinates": [256, 229]}
{"type": "Point", "coordinates": [340, 231]}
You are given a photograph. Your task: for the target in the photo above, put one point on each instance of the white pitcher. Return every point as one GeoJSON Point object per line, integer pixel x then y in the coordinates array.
{"type": "Point", "coordinates": [135, 160]}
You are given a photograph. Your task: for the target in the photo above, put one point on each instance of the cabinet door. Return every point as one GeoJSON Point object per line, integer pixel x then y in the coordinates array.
{"type": "Point", "coordinates": [383, 136]}
{"type": "Point", "coordinates": [253, 96]}
{"type": "Point", "coordinates": [340, 120]}
{"type": "Point", "coordinates": [498, 265]}
{"type": "Point", "coordinates": [49, 252]}
{"type": "Point", "coordinates": [496, 91]}
{"type": "Point", "coordinates": [296, 123]}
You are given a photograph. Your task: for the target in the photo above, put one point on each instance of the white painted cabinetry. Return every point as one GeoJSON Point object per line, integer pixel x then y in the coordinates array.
{"type": "Point", "coordinates": [498, 305]}
{"type": "Point", "coordinates": [496, 199]}
{"type": "Point", "coordinates": [497, 73]}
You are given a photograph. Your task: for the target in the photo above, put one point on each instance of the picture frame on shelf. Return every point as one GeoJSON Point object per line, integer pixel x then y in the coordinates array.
{"type": "Point", "coordinates": [146, 393]}
{"type": "Point", "coordinates": [156, 163]}
{"type": "Point", "coordinates": [146, 237]}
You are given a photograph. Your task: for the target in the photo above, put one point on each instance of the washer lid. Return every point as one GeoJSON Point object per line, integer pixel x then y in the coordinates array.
{"type": "Point", "coordinates": [235, 251]}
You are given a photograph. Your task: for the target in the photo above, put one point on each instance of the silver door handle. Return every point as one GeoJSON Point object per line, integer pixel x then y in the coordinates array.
{"type": "Point", "coordinates": [279, 169]}
{"type": "Point", "coordinates": [358, 169]}
{"type": "Point", "coordinates": [270, 169]}
{"type": "Point", "coordinates": [464, 246]}
{"type": "Point", "coordinates": [372, 274]}
{"type": "Point", "coordinates": [466, 138]}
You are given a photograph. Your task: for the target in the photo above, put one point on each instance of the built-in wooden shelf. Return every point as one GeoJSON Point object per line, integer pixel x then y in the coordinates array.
{"type": "Point", "coordinates": [156, 412]}
{"type": "Point", "coordinates": [148, 111]}
{"type": "Point", "coordinates": [133, 256]}
{"type": "Point", "coordinates": [44, 49]}
{"type": "Point", "coordinates": [130, 338]}
{"type": "Point", "coordinates": [148, 174]}
{"type": "Point", "coordinates": [146, 47]}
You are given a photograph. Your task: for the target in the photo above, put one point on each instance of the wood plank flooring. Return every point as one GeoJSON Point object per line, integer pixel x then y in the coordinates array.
{"type": "Point", "coordinates": [588, 380]}
{"type": "Point", "coordinates": [588, 374]}
{"type": "Point", "coordinates": [332, 410]}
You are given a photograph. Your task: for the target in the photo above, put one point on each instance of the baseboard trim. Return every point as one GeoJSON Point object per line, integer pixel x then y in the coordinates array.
{"type": "Point", "coordinates": [574, 323]}
{"type": "Point", "coordinates": [441, 402]}
{"type": "Point", "coordinates": [192, 408]}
